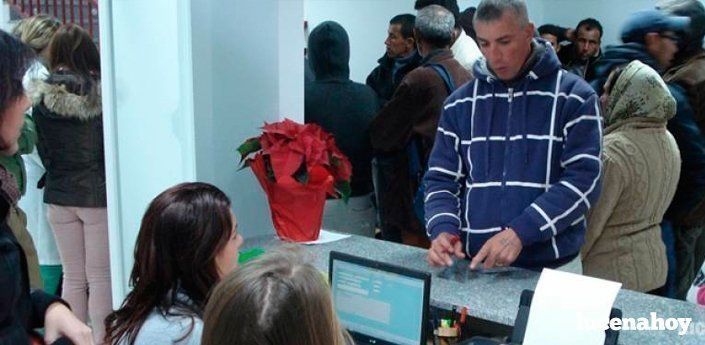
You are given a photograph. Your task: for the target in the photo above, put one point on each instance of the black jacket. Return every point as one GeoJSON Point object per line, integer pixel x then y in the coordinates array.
{"type": "Point", "coordinates": [342, 107]}
{"type": "Point", "coordinates": [21, 310]}
{"type": "Point", "coordinates": [383, 82]}
{"type": "Point", "coordinates": [572, 62]}
{"type": "Point", "coordinates": [690, 139]}
{"type": "Point", "coordinates": [68, 114]}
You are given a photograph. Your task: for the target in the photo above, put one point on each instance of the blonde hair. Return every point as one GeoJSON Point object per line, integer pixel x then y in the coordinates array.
{"type": "Point", "coordinates": [36, 31]}
{"type": "Point", "coordinates": [278, 299]}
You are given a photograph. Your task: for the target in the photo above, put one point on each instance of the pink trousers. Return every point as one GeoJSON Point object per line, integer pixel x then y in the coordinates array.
{"type": "Point", "coordinates": [82, 238]}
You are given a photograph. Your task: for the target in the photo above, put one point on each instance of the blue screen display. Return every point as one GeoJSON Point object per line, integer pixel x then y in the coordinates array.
{"type": "Point", "coordinates": [380, 304]}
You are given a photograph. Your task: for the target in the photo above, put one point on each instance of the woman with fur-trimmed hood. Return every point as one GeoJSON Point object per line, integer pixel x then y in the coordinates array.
{"type": "Point", "coordinates": [67, 111]}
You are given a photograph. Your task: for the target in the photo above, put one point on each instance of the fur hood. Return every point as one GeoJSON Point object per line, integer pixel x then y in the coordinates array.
{"type": "Point", "coordinates": [67, 95]}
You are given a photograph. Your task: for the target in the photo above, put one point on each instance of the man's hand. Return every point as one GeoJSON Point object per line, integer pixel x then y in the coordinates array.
{"type": "Point", "coordinates": [442, 248]}
{"type": "Point", "coordinates": [500, 250]}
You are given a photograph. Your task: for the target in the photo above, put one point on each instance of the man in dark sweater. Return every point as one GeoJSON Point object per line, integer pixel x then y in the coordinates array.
{"type": "Point", "coordinates": [516, 161]}
{"type": "Point", "coordinates": [344, 109]}
{"type": "Point", "coordinates": [412, 114]}
{"type": "Point", "coordinates": [400, 58]}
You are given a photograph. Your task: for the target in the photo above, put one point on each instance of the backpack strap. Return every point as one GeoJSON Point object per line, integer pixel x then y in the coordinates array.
{"type": "Point", "coordinates": [445, 76]}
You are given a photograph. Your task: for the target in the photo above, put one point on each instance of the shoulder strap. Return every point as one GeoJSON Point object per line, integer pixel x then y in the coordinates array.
{"type": "Point", "coordinates": [445, 76]}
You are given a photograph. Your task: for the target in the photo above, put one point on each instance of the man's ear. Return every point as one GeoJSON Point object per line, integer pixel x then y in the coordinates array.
{"type": "Point", "coordinates": [530, 30]}
{"type": "Point", "coordinates": [410, 41]}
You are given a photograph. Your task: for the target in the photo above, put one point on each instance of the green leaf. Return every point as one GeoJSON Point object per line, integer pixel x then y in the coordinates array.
{"type": "Point", "coordinates": [343, 188]}
{"type": "Point", "coordinates": [249, 146]}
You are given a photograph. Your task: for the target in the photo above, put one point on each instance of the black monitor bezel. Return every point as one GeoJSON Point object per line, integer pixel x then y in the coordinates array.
{"type": "Point", "coordinates": [416, 274]}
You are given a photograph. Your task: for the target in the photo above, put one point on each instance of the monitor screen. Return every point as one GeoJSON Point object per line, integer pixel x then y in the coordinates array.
{"type": "Point", "coordinates": [378, 304]}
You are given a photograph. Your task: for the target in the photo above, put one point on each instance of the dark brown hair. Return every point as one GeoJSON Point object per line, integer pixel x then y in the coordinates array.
{"type": "Point", "coordinates": [183, 230]}
{"type": "Point", "coordinates": [73, 49]}
{"type": "Point", "coordinates": [15, 58]}
{"type": "Point", "coordinates": [277, 299]}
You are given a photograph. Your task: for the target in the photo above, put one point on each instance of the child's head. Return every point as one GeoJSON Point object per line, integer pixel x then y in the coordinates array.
{"type": "Point", "coordinates": [278, 299]}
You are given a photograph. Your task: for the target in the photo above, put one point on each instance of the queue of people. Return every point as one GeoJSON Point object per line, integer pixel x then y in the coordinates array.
{"type": "Point", "coordinates": [508, 145]}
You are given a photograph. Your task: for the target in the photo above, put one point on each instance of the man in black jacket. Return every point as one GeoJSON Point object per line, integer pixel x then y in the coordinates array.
{"type": "Point", "coordinates": [400, 58]}
{"type": "Point", "coordinates": [585, 52]}
{"type": "Point", "coordinates": [345, 109]}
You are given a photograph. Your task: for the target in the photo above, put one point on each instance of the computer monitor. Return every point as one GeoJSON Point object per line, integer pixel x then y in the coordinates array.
{"type": "Point", "coordinates": [379, 303]}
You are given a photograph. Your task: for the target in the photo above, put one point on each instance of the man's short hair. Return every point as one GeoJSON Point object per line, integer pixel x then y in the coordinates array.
{"type": "Point", "coordinates": [551, 29]}
{"type": "Point", "coordinates": [450, 5]}
{"type": "Point", "coordinates": [434, 25]}
{"type": "Point", "coordinates": [589, 24]}
{"type": "Point", "coordinates": [407, 22]}
{"type": "Point", "coordinates": [465, 21]}
{"type": "Point", "coordinates": [491, 10]}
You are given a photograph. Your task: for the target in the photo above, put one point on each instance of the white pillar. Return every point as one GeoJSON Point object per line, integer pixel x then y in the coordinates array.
{"type": "Point", "coordinates": [184, 82]}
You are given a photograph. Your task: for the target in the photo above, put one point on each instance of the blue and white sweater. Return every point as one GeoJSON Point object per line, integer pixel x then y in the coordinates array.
{"type": "Point", "coordinates": [525, 157]}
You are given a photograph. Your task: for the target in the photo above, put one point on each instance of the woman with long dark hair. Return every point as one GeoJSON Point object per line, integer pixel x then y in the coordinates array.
{"type": "Point", "coordinates": [68, 114]}
{"type": "Point", "coordinates": [187, 242]}
{"type": "Point", "coordinates": [22, 310]}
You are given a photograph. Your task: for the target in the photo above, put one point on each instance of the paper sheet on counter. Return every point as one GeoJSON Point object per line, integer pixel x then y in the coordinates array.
{"type": "Point", "coordinates": [564, 304]}
{"type": "Point", "coordinates": [327, 237]}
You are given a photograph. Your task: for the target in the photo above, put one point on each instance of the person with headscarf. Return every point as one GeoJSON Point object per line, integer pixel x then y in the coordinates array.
{"type": "Point", "coordinates": [641, 170]}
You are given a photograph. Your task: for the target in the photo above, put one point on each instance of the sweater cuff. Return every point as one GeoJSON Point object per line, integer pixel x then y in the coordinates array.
{"type": "Point", "coordinates": [40, 303]}
{"type": "Point", "coordinates": [527, 227]}
{"type": "Point", "coordinates": [444, 227]}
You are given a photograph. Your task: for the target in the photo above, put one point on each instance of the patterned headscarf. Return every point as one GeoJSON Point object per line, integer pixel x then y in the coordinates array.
{"type": "Point", "coordinates": [639, 92]}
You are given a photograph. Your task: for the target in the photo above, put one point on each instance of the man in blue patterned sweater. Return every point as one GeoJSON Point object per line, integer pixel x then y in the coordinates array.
{"type": "Point", "coordinates": [516, 161]}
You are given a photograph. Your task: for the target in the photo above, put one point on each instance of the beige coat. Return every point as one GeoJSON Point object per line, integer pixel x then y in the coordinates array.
{"type": "Point", "coordinates": [641, 169]}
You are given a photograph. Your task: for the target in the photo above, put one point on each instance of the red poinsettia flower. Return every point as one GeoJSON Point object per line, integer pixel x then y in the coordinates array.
{"type": "Point", "coordinates": [305, 153]}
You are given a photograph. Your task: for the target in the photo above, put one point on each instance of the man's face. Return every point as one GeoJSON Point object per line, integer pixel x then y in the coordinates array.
{"type": "Point", "coordinates": [553, 40]}
{"type": "Point", "coordinates": [588, 42]}
{"type": "Point", "coordinates": [663, 47]}
{"type": "Point", "coordinates": [505, 44]}
{"type": "Point", "coordinates": [397, 45]}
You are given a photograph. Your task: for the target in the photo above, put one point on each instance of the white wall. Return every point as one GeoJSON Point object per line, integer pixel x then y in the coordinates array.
{"type": "Point", "coordinates": [148, 114]}
{"type": "Point", "coordinates": [236, 91]}
{"type": "Point", "coordinates": [184, 83]}
{"type": "Point", "coordinates": [5, 23]}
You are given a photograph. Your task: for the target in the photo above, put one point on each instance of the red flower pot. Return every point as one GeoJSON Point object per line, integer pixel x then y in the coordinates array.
{"type": "Point", "coordinates": [297, 208]}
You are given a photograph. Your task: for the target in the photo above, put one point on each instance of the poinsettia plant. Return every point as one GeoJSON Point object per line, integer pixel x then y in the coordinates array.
{"type": "Point", "coordinates": [304, 153]}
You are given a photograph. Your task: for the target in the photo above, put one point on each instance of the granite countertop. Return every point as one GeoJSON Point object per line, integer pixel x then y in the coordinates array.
{"type": "Point", "coordinates": [495, 297]}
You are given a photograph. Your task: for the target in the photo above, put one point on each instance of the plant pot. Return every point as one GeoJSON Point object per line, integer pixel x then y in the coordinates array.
{"type": "Point", "coordinates": [296, 208]}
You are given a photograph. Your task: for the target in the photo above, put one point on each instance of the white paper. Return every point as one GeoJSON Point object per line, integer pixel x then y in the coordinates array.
{"type": "Point", "coordinates": [562, 306]}
{"type": "Point", "coordinates": [327, 237]}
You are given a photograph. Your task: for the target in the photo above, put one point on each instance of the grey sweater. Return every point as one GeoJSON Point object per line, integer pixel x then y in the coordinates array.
{"type": "Point", "coordinates": [158, 330]}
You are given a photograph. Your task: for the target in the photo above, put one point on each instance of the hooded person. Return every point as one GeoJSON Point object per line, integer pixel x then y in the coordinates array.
{"type": "Point", "coordinates": [641, 170]}
{"type": "Point", "coordinates": [344, 109]}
